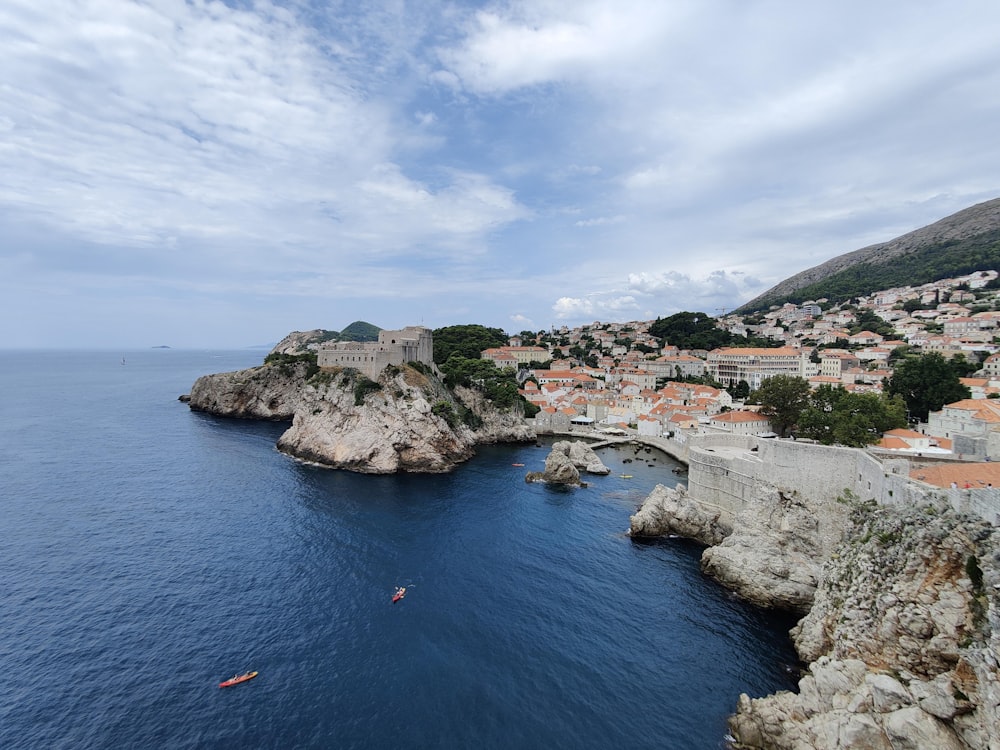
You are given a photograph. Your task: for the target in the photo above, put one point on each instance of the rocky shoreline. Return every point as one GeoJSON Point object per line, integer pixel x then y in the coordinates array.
{"type": "Point", "coordinates": [405, 421]}
{"type": "Point", "coordinates": [899, 606]}
{"type": "Point", "coordinates": [900, 616]}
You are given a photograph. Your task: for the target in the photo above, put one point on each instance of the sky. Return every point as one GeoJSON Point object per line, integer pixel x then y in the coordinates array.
{"type": "Point", "coordinates": [215, 175]}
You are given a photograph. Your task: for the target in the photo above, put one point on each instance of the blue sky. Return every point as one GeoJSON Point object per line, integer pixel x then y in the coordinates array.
{"type": "Point", "coordinates": [200, 174]}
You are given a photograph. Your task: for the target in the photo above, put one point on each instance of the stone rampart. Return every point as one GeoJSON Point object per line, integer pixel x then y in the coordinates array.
{"type": "Point", "coordinates": [410, 344]}
{"type": "Point", "coordinates": [724, 472]}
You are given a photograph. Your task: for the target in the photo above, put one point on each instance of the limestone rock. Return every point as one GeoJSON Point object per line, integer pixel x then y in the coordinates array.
{"type": "Point", "coordinates": [774, 556]}
{"type": "Point", "coordinates": [265, 392]}
{"type": "Point", "coordinates": [669, 510]}
{"type": "Point", "coordinates": [912, 729]}
{"type": "Point", "coordinates": [298, 342]}
{"type": "Point", "coordinates": [408, 421]}
{"type": "Point", "coordinates": [903, 637]}
{"type": "Point", "coordinates": [559, 469]}
{"type": "Point", "coordinates": [581, 455]}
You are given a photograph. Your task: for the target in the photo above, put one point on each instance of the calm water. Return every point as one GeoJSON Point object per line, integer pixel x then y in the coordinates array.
{"type": "Point", "coordinates": [149, 552]}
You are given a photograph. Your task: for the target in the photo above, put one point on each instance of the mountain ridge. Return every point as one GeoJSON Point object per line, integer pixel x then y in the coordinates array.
{"type": "Point", "coordinates": [944, 248]}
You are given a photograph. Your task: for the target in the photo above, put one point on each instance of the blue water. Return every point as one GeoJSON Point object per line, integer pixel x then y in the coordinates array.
{"type": "Point", "coordinates": [148, 552]}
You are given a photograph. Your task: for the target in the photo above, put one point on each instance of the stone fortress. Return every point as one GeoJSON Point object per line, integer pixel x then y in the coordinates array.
{"type": "Point", "coordinates": [410, 344]}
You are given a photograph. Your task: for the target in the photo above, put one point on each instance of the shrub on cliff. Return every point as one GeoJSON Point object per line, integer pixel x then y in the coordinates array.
{"type": "Point", "coordinates": [362, 388]}
{"type": "Point", "coordinates": [286, 362]}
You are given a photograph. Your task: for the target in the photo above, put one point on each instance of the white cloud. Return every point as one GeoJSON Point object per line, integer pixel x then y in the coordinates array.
{"type": "Point", "coordinates": [598, 306]}
{"type": "Point", "coordinates": [600, 221]}
{"type": "Point", "coordinates": [171, 123]}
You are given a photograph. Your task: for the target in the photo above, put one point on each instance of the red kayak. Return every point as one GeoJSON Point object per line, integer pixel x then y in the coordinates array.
{"type": "Point", "coordinates": [237, 679]}
{"type": "Point", "coordinates": [400, 593]}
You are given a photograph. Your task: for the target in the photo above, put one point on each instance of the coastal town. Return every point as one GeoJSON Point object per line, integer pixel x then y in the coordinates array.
{"type": "Point", "coordinates": [619, 378]}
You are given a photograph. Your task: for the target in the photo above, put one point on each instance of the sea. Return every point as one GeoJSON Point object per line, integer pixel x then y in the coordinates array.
{"type": "Point", "coordinates": [148, 552]}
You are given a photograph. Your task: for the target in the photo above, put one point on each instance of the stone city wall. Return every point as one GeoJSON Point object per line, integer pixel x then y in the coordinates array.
{"type": "Point", "coordinates": [724, 472]}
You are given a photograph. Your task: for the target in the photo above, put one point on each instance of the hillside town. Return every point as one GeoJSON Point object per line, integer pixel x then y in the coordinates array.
{"type": "Point", "coordinates": [618, 378]}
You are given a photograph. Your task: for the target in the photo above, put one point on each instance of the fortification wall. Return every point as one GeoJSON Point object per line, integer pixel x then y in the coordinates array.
{"type": "Point", "coordinates": [410, 344]}
{"type": "Point", "coordinates": [723, 477]}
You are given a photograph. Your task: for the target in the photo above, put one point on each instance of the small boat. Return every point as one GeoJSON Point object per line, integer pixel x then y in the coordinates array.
{"type": "Point", "coordinates": [400, 593]}
{"type": "Point", "coordinates": [517, 464]}
{"type": "Point", "coordinates": [237, 679]}
{"type": "Point", "coordinates": [625, 476]}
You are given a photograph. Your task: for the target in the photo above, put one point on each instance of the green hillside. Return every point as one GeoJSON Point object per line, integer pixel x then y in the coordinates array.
{"type": "Point", "coordinates": [360, 331]}
{"type": "Point", "coordinates": [937, 261]}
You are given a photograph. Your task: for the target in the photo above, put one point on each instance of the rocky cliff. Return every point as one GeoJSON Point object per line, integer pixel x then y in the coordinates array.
{"type": "Point", "coordinates": [406, 421]}
{"type": "Point", "coordinates": [902, 639]}
{"type": "Point", "coordinates": [902, 623]}
{"type": "Point", "coordinates": [773, 554]}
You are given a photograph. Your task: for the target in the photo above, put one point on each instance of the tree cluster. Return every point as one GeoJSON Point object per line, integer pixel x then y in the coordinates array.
{"type": "Point", "coordinates": [498, 385]}
{"type": "Point", "coordinates": [928, 382]}
{"type": "Point", "coordinates": [830, 414]}
{"type": "Point", "coordinates": [467, 341]}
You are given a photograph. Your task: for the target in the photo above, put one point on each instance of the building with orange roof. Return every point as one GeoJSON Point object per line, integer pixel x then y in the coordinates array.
{"type": "Point", "coordinates": [908, 440]}
{"type": "Point", "coordinates": [753, 365]}
{"type": "Point", "coordinates": [973, 425]}
{"type": "Point", "coordinates": [960, 476]}
{"type": "Point", "coordinates": [521, 355]}
{"type": "Point", "coordinates": [741, 423]}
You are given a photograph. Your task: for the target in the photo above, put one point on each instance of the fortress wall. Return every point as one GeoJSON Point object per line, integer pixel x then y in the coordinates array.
{"type": "Point", "coordinates": [411, 344]}
{"type": "Point", "coordinates": [722, 477]}
{"type": "Point", "coordinates": [722, 480]}
{"type": "Point", "coordinates": [818, 472]}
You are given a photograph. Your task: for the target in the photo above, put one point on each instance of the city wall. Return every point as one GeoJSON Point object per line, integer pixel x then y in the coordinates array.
{"type": "Point", "coordinates": [724, 473]}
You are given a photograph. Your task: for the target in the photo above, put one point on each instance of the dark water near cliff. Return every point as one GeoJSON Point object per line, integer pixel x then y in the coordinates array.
{"type": "Point", "coordinates": [149, 552]}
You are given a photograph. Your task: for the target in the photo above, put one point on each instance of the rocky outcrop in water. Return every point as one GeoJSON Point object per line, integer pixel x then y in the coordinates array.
{"type": "Point", "coordinates": [902, 639]}
{"type": "Point", "coordinates": [558, 470]}
{"type": "Point", "coordinates": [406, 421]}
{"type": "Point", "coordinates": [670, 510]}
{"type": "Point", "coordinates": [581, 455]}
{"type": "Point", "coordinates": [565, 462]}
{"type": "Point", "coordinates": [772, 555]}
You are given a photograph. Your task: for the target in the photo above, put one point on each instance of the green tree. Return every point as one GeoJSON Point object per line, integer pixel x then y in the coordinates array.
{"type": "Point", "coordinates": [466, 341]}
{"type": "Point", "coordinates": [691, 330]}
{"type": "Point", "coordinates": [739, 391]}
{"type": "Point", "coordinates": [926, 383]}
{"type": "Point", "coordinates": [869, 321]}
{"type": "Point", "coordinates": [835, 415]}
{"type": "Point", "coordinates": [497, 384]}
{"type": "Point", "coordinates": [782, 399]}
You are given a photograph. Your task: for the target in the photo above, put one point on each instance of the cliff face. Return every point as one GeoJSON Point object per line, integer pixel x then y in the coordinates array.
{"type": "Point", "coordinates": [902, 630]}
{"type": "Point", "coordinates": [903, 640]}
{"type": "Point", "coordinates": [407, 421]}
{"type": "Point", "coordinates": [266, 392]}
{"type": "Point", "coordinates": [774, 553]}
